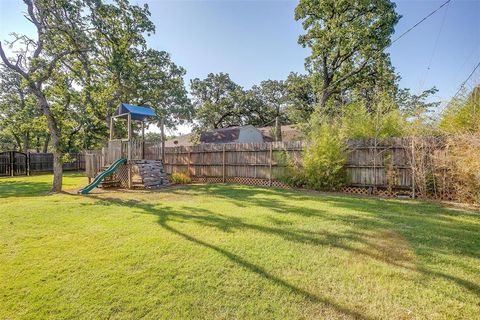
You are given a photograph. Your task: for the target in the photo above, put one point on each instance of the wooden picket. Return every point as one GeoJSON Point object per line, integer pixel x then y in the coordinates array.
{"type": "Point", "coordinates": [385, 164]}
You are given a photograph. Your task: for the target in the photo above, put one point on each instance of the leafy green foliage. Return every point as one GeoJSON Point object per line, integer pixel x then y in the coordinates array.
{"type": "Point", "coordinates": [419, 111]}
{"type": "Point", "coordinates": [219, 102]}
{"type": "Point", "coordinates": [347, 41]}
{"type": "Point", "coordinates": [88, 57]}
{"type": "Point", "coordinates": [324, 159]}
{"type": "Point", "coordinates": [416, 105]}
{"type": "Point", "coordinates": [21, 121]}
{"type": "Point", "coordinates": [462, 115]}
{"type": "Point", "coordinates": [301, 97]}
{"type": "Point", "coordinates": [384, 122]}
{"type": "Point", "coordinates": [180, 178]}
{"type": "Point", "coordinates": [292, 173]}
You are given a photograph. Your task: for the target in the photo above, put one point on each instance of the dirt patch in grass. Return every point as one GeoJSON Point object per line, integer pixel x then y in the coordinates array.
{"type": "Point", "coordinates": [390, 247]}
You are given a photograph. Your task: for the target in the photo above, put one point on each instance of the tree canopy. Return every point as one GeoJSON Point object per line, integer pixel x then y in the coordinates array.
{"type": "Point", "coordinates": [59, 88]}
{"type": "Point", "coordinates": [347, 41]}
{"type": "Point", "coordinates": [87, 56]}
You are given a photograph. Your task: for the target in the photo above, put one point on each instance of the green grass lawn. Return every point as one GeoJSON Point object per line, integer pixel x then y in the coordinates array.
{"type": "Point", "coordinates": [232, 252]}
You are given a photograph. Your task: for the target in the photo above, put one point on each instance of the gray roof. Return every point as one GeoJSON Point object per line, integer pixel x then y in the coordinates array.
{"type": "Point", "coordinates": [225, 135]}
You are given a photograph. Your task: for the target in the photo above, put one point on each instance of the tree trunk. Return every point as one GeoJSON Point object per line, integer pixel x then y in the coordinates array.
{"type": "Point", "coordinates": [278, 129]}
{"type": "Point", "coordinates": [57, 172]}
{"type": "Point", "coordinates": [47, 142]}
{"type": "Point", "coordinates": [323, 99]}
{"type": "Point", "coordinates": [57, 156]}
{"type": "Point", "coordinates": [26, 142]}
{"type": "Point", "coordinates": [37, 147]}
{"type": "Point", "coordinates": [55, 137]}
{"type": "Point", "coordinates": [18, 141]}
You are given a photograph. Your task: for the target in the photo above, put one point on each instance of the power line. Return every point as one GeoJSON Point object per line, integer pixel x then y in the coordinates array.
{"type": "Point", "coordinates": [424, 78]}
{"type": "Point", "coordinates": [404, 33]}
{"type": "Point", "coordinates": [466, 80]}
{"type": "Point", "coordinates": [470, 55]}
{"type": "Point", "coordinates": [419, 22]}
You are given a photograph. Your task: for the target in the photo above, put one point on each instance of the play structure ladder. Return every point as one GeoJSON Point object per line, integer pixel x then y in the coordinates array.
{"type": "Point", "coordinates": [152, 174]}
{"type": "Point", "coordinates": [100, 177]}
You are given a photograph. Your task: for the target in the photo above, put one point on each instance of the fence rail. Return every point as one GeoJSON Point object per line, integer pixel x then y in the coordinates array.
{"type": "Point", "coordinates": [369, 163]}
{"type": "Point", "coordinates": [25, 163]}
{"type": "Point", "coordinates": [246, 160]}
{"type": "Point", "coordinates": [43, 162]}
{"type": "Point", "coordinates": [380, 164]}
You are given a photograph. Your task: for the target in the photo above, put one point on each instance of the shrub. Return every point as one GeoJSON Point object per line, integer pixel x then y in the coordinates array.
{"type": "Point", "coordinates": [464, 166]}
{"type": "Point", "coordinates": [292, 173]}
{"type": "Point", "coordinates": [461, 114]}
{"type": "Point", "coordinates": [324, 159]}
{"type": "Point", "coordinates": [180, 178]}
{"type": "Point", "coordinates": [384, 121]}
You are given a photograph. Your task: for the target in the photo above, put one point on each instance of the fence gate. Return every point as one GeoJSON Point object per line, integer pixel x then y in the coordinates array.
{"type": "Point", "coordinates": [13, 163]}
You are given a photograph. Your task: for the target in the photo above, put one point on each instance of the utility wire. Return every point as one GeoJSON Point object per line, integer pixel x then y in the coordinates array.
{"type": "Point", "coordinates": [419, 22]}
{"type": "Point", "coordinates": [466, 80]}
{"type": "Point", "coordinates": [425, 75]}
{"type": "Point", "coordinates": [404, 33]}
{"type": "Point", "coordinates": [457, 73]}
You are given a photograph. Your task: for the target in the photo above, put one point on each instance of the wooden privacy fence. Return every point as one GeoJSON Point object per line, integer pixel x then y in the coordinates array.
{"type": "Point", "coordinates": [17, 163]}
{"type": "Point", "coordinates": [369, 163]}
{"type": "Point", "coordinates": [13, 163]}
{"type": "Point", "coordinates": [133, 150]}
{"type": "Point", "coordinates": [43, 162]}
{"type": "Point", "coordinates": [251, 163]}
{"type": "Point", "coordinates": [445, 167]}
{"type": "Point", "coordinates": [386, 164]}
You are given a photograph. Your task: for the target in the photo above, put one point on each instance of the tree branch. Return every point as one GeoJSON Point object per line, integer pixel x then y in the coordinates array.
{"type": "Point", "coordinates": [10, 65]}
{"type": "Point", "coordinates": [38, 25]}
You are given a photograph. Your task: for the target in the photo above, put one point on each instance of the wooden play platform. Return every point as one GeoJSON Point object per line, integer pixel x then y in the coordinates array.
{"type": "Point", "coordinates": [127, 163]}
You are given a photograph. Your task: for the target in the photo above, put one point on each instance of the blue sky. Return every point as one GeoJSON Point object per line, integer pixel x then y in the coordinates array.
{"type": "Point", "coordinates": [257, 40]}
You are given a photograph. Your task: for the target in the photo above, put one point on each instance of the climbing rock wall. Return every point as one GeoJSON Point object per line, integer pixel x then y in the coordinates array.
{"type": "Point", "coordinates": [149, 174]}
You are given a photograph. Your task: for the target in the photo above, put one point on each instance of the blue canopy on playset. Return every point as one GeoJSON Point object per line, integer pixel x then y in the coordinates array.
{"type": "Point", "coordinates": [137, 112]}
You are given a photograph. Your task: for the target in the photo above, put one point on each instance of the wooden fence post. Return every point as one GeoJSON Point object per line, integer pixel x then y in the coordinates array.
{"type": "Point", "coordinates": [129, 123]}
{"type": "Point", "coordinates": [189, 162]}
{"type": "Point", "coordinates": [129, 151]}
{"type": "Point", "coordinates": [111, 128]}
{"type": "Point", "coordinates": [223, 168]}
{"type": "Point", "coordinates": [413, 168]}
{"type": "Point", "coordinates": [27, 163]}
{"type": "Point", "coordinates": [12, 163]}
{"type": "Point", "coordinates": [162, 132]}
{"type": "Point", "coordinates": [271, 159]}
{"type": "Point", "coordinates": [129, 171]}
{"type": "Point", "coordinates": [255, 163]}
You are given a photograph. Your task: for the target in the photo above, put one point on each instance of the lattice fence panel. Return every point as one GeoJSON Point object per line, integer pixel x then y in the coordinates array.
{"type": "Point", "coordinates": [122, 175]}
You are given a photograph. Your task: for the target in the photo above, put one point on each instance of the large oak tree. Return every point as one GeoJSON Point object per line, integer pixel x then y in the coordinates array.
{"type": "Point", "coordinates": [86, 57]}
{"type": "Point", "coordinates": [347, 41]}
{"type": "Point", "coordinates": [60, 35]}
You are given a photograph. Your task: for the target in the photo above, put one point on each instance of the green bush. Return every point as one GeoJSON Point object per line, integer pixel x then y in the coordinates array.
{"type": "Point", "coordinates": [180, 178]}
{"type": "Point", "coordinates": [324, 159]}
{"type": "Point", "coordinates": [292, 173]}
{"type": "Point", "coordinates": [384, 121]}
{"type": "Point", "coordinates": [461, 115]}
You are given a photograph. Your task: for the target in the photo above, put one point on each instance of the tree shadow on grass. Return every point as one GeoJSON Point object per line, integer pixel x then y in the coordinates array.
{"type": "Point", "coordinates": [205, 217]}
{"type": "Point", "coordinates": [30, 186]}
{"type": "Point", "coordinates": [428, 228]}
{"type": "Point", "coordinates": [23, 189]}
{"type": "Point", "coordinates": [367, 213]}
{"type": "Point", "coordinates": [420, 224]}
